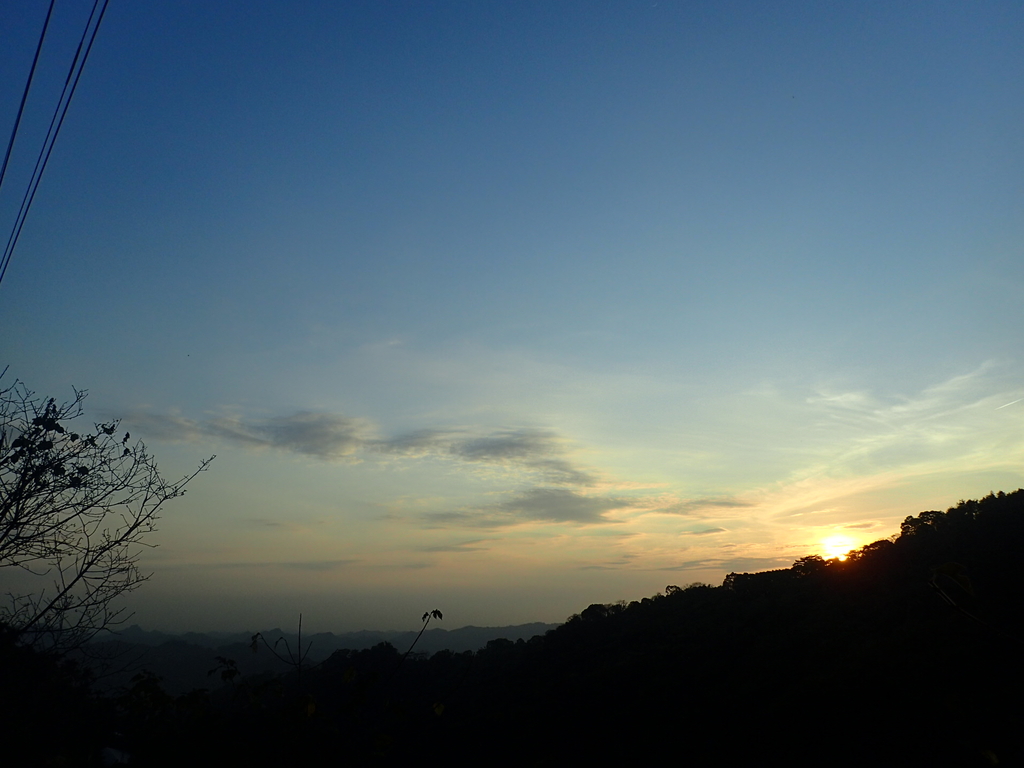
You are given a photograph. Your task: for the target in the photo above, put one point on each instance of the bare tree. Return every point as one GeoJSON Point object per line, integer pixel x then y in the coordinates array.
{"type": "Point", "coordinates": [74, 510]}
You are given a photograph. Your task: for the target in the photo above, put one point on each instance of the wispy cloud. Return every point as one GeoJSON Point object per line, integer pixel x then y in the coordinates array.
{"type": "Point", "coordinates": [561, 505]}
{"type": "Point", "coordinates": [331, 436]}
{"type": "Point", "coordinates": [695, 507]}
{"type": "Point", "coordinates": [414, 444]}
{"type": "Point", "coordinates": [868, 445]}
{"type": "Point", "coordinates": [932, 423]}
{"type": "Point", "coordinates": [466, 546]}
{"type": "Point", "coordinates": [952, 424]}
{"type": "Point", "coordinates": [292, 565]}
{"type": "Point", "coordinates": [536, 450]}
{"type": "Point", "coordinates": [541, 504]}
{"type": "Point", "coordinates": [323, 435]}
{"type": "Point", "coordinates": [704, 532]}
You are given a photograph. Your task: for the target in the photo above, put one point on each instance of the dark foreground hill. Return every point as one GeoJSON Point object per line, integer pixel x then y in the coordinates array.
{"type": "Point", "coordinates": [907, 653]}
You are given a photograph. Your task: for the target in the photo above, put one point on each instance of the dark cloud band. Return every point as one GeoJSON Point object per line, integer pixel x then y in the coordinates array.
{"type": "Point", "coordinates": [332, 436]}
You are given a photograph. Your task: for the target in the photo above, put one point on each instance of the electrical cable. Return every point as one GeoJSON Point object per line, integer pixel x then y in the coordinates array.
{"type": "Point", "coordinates": [51, 136]}
{"type": "Point", "coordinates": [24, 96]}
{"type": "Point", "coordinates": [52, 132]}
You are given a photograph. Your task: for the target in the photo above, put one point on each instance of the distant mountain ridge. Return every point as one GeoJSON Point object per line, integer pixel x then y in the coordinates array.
{"type": "Point", "coordinates": [468, 638]}
{"type": "Point", "coordinates": [183, 662]}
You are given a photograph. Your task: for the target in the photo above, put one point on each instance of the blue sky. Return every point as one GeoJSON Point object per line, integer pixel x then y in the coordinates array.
{"type": "Point", "coordinates": [507, 308]}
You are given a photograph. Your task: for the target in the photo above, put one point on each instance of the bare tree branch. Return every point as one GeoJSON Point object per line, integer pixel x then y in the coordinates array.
{"type": "Point", "coordinates": [74, 511]}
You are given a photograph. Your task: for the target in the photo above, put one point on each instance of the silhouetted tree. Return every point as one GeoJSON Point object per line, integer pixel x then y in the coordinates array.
{"type": "Point", "coordinates": [74, 509]}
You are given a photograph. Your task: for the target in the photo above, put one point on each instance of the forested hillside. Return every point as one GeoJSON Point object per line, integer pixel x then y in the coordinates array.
{"type": "Point", "coordinates": [907, 653]}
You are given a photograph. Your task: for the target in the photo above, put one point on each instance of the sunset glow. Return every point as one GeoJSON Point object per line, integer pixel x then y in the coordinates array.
{"type": "Point", "coordinates": [837, 547]}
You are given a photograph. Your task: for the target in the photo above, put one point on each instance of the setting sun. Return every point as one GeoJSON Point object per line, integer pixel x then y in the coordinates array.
{"type": "Point", "coordinates": [837, 546]}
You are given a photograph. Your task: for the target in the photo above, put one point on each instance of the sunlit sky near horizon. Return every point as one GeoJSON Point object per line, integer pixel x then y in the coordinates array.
{"type": "Point", "coordinates": [509, 308]}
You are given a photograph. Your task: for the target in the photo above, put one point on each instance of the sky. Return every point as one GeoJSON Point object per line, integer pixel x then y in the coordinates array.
{"type": "Point", "coordinates": [507, 308]}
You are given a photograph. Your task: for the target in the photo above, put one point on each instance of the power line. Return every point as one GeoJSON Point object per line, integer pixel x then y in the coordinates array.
{"type": "Point", "coordinates": [24, 96]}
{"type": "Point", "coordinates": [51, 134]}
